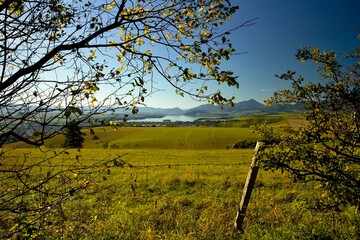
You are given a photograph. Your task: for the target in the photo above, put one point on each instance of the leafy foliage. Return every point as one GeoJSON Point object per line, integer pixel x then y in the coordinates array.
{"type": "Point", "coordinates": [71, 61]}
{"type": "Point", "coordinates": [327, 149]}
{"type": "Point", "coordinates": [79, 59]}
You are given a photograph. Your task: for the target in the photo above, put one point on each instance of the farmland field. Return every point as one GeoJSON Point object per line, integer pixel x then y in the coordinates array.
{"type": "Point", "coordinates": [172, 183]}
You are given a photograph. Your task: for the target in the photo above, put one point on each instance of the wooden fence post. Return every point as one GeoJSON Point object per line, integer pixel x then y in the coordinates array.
{"type": "Point", "coordinates": [249, 186]}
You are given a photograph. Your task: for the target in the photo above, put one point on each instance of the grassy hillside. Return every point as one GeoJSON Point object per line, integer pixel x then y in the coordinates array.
{"type": "Point", "coordinates": [172, 138]}
{"type": "Point", "coordinates": [228, 132]}
{"type": "Point", "coordinates": [157, 138]}
{"type": "Point", "coordinates": [172, 183]}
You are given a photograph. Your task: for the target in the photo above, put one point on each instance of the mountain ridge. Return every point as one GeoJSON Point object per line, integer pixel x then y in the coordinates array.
{"type": "Point", "coordinates": [206, 110]}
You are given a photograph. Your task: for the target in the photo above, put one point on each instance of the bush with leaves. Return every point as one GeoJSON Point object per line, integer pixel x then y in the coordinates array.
{"type": "Point", "coordinates": [243, 144]}
{"type": "Point", "coordinates": [327, 149]}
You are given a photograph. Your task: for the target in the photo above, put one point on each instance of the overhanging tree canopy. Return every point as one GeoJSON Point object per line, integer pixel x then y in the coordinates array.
{"type": "Point", "coordinates": [63, 62]}
{"type": "Point", "coordinates": [68, 60]}
{"type": "Point", "coordinates": [327, 149]}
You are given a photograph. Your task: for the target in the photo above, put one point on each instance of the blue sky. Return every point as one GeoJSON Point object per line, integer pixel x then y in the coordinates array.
{"type": "Point", "coordinates": [282, 27]}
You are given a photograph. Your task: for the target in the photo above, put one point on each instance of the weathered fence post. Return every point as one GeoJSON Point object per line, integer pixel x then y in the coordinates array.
{"type": "Point", "coordinates": [249, 186]}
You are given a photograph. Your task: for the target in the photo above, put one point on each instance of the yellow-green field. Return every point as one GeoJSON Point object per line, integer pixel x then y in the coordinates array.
{"type": "Point", "coordinates": [227, 133]}
{"type": "Point", "coordinates": [158, 138]}
{"type": "Point", "coordinates": [171, 183]}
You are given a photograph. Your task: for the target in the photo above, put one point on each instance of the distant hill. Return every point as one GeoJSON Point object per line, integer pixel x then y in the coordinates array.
{"type": "Point", "coordinates": [244, 107]}
{"type": "Point", "coordinates": [285, 108]}
{"type": "Point", "coordinates": [209, 110]}
{"type": "Point", "coordinates": [248, 105]}
{"type": "Point", "coordinates": [161, 111]}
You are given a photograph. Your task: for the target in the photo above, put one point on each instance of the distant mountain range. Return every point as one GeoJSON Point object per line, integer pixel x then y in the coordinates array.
{"type": "Point", "coordinates": [208, 110]}
{"type": "Point", "coordinates": [249, 107]}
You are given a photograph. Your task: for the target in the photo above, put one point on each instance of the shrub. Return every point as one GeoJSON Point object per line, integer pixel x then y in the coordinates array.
{"type": "Point", "coordinates": [242, 144]}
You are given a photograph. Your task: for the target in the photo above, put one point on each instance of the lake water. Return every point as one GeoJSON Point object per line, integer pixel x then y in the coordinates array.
{"type": "Point", "coordinates": [174, 118]}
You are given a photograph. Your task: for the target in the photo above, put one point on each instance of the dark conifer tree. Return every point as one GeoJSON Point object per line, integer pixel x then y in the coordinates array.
{"type": "Point", "coordinates": [74, 138]}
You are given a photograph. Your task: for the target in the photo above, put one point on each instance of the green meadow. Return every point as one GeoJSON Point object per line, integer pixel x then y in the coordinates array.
{"type": "Point", "coordinates": [168, 138]}
{"type": "Point", "coordinates": [175, 183]}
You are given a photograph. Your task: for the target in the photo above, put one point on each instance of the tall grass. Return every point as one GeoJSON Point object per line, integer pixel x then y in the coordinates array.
{"type": "Point", "coordinates": [187, 194]}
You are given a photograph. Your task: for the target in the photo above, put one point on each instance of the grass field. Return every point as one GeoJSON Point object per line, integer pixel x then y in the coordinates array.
{"type": "Point", "coordinates": [227, 133]}
{"type": "Point", "coordinates": [174, 183]}
{"type": "Point", "coordinates": [158, 138]}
